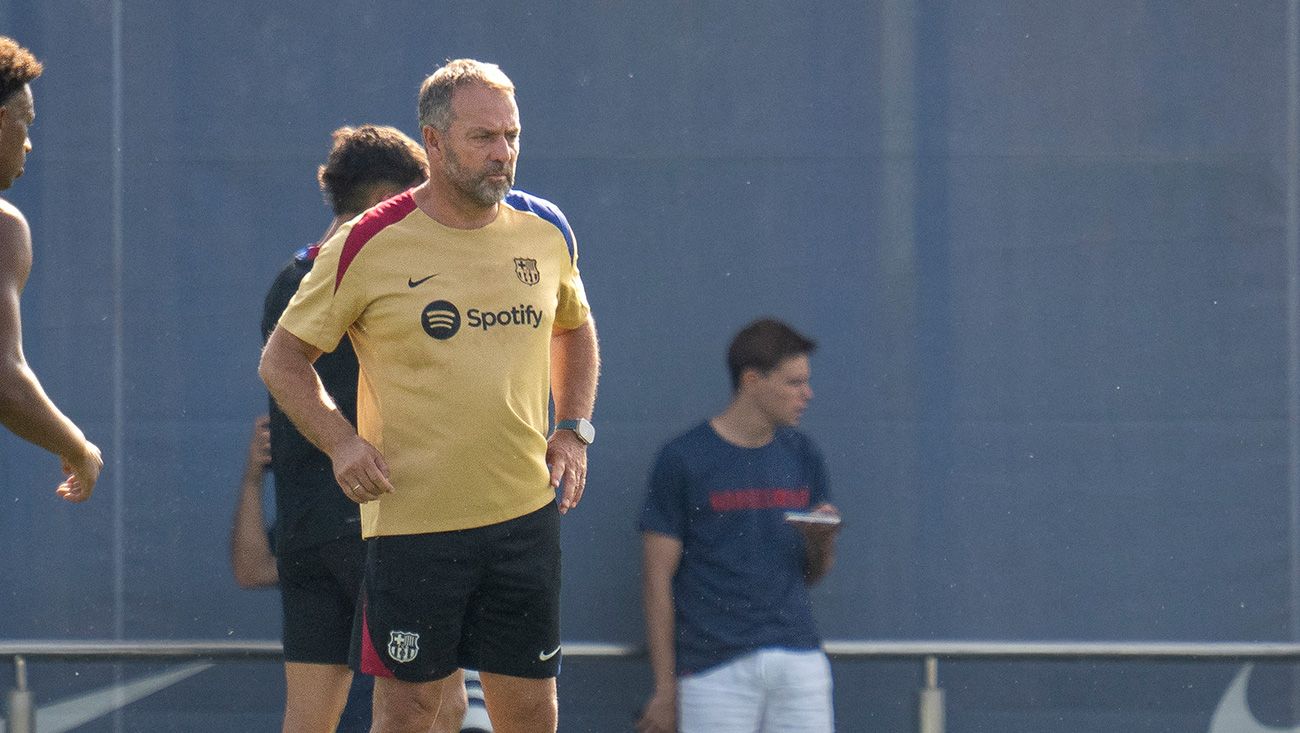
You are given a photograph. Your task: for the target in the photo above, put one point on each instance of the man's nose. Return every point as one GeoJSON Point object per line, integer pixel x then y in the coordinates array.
{"type": "Point", "coordinates": [502, 149]}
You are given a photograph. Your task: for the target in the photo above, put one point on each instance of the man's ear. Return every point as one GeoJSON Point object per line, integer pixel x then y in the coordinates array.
{"type": "Point", "coordinates": [747, 378]}
{"type": "Point", "coordinates": [432, 139]}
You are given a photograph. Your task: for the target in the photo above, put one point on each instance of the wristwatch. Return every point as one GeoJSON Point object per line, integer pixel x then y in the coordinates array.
{"type": "Point", "coordinates": [581, 427]}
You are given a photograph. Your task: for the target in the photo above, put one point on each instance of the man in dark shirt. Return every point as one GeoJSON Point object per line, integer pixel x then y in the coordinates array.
{"type": "Point", "coordinates": [730, 548]}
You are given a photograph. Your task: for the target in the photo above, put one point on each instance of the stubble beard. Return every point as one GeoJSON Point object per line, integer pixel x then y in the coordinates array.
{"type": "Point", "coordinates": [478, 188]}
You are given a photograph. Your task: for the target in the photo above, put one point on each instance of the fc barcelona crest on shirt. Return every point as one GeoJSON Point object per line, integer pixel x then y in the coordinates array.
{"type": "Point", "coordinates": [403, 646]}
{"type": "Point", "coordinates": [526, 270]}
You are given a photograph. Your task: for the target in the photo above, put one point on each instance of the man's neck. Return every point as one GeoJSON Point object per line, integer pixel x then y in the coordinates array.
{"type": "Point", "coordinates": [339, 221]}
{"type": "Point", "coordinates": [743, 425]}
{"type": "Point", "coordinates": [450, 209]}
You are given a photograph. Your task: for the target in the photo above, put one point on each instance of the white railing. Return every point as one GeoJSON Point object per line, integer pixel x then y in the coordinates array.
{"type": "Point", "coordinates": [19, 715]}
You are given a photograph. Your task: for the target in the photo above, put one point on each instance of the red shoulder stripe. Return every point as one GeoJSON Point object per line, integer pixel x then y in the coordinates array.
{"type": "Point", "coordinates": [372, 222]}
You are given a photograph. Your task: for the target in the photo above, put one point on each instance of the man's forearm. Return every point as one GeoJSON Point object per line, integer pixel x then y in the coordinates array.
{"type": "Point", "coordinates": [818, 559]}
{"type": "Point", "coordinates": [575, 368]}
{"type": "Point", "coordinates": [660, 622]}
{"type": "Point", "coordinates": [661, 556]}
{"type": "Point", "coordinates": [297, 389]}
{"type": "Point", "coordinates": [251, 558]}
{"type": "Point", "coordinates": [29, 413]}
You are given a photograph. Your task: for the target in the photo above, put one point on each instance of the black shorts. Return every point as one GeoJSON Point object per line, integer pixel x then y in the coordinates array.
{"type": "Point", "coordinates": [319, 587]}
{"type": "Point", "coordinates": [486, 598]}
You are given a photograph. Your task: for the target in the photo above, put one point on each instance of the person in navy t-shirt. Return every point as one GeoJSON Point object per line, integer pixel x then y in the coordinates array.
{"type": "Point", "coordinates": [729, 626]}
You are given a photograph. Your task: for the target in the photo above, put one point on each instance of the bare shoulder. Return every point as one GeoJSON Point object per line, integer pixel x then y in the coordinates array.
{"type": "Point", "coordinates": [15, 242]}
{"type": "Point", "coordinates": [13, 225]}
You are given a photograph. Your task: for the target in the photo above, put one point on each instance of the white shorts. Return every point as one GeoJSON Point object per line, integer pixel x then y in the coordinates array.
{"type": "Point", "coordinates": [767, 691]}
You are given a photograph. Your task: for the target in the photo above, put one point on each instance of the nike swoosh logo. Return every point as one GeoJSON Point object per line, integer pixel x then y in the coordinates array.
{"type": "Point", "coordinates": [414, 283]}
{"type": "Point", "coordinates": [74, 712]}
{"type": "Point", "coordinates": [1233, 713]}
{"type": "Point", "coordinates": [544, 656]}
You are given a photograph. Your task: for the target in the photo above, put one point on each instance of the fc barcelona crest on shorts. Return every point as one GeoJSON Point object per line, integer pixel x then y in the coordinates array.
{"type": "Point", "coordinates": [403, 646]}
{"type": "Point", "coordinates": [526, 270]}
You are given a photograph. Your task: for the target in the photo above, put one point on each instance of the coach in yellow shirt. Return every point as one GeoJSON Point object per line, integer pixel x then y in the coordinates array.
{"type": "Point", "coordinates": [463, 301]}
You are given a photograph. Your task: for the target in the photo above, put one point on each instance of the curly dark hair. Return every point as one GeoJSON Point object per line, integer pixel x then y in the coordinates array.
{"type": "Point", "coordinates": [365, 156]}
{"type": "Point", "coordinates": [17, 67]}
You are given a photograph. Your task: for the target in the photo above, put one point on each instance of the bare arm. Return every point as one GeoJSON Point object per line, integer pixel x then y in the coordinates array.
{"type": "Point", "coordinates": [250, 550]}
{"type": "Point", "coordinates": [661, 555]}
{"type": "Point", "coordinates": [575, 367]}
{"type": "Point", "coordinates": [25, 409]}
{"type": "Point", "coordinates": [286, 368]}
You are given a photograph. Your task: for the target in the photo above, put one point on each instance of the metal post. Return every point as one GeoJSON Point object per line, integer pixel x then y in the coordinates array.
{"type": "Point", "coordinates": [930, 710]}
{"type": "Point", "coordinates": [20, 712]}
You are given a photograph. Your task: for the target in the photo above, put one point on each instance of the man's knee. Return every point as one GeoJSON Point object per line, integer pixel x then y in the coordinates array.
{"type": "Point", "coordinates": [406, 706]}
{"type": "Point", "coordinates": [315, 695]}
{"type": "Point", "coordinates": [519, 704]}
{"type": "Point", "coordinates": [530, 707]}
{"type": "Point", "coordinates": [455, 703]}
{"type": "Point", "coordinates": [405, 715]}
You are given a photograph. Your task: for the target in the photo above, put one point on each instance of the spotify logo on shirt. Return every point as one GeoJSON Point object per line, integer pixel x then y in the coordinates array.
{"type": "Point", "coordinates": [441, 320]}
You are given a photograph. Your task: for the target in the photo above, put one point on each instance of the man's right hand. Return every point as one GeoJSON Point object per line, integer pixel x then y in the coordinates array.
{"type": "Point", "coordinates": [83, 471]}
{"type": "Point", "coordinates": [660, 714]}
{"type": "Point", "coordinates": [360, 469]}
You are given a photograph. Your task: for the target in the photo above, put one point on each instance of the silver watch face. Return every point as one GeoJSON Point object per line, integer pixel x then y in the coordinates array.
{"type": "Point", "coordinates": [586, 431]}
{"type": "Point", "coordinates": [581, 427]}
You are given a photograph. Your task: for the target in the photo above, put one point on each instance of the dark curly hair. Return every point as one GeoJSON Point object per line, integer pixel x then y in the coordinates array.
{"type": "Point", "coordinates": [365, 156]}
{"type": "Point", "coordinates": [17, 67]}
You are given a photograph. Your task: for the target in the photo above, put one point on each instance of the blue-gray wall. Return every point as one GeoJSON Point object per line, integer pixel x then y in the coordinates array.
{"type": "Point", "coordinates": [1045, 248]}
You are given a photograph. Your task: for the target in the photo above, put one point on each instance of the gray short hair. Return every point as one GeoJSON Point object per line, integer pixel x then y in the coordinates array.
{"type": "Point", "coordinates": [435, 92]}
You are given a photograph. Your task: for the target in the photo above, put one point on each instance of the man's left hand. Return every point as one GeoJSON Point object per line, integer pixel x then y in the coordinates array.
{"type": "Point", "coordinates": [818, 535]}
{"type": "Point", "coordinates": [567, 457]}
